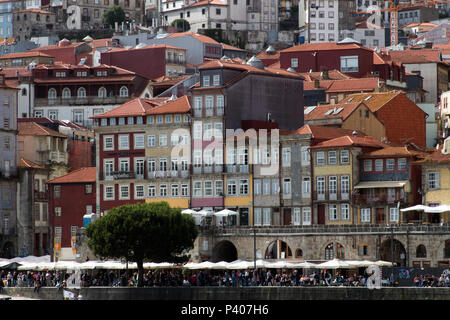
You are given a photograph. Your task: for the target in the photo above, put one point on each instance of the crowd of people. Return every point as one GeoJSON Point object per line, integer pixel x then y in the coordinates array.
{"type": "Point", "coordinates": [184, 277]}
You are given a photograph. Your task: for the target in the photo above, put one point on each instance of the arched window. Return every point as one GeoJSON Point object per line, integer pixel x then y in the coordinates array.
{"type": "Point", "coordinates": [329, 251]}
{"type": "Point", "coordinates": [51, 93]}
{"type": "Point", "coordinates": [66, 93]}
{"type": "Point", "coordinates": [421, 251]}
{"type": "Point", "coordinates": [102, 92]}
{"type": "Point", "coordinates": [123, 92]}
{"type": "Point", "coordinates": [340, 252]}
{"type": "Point", "coordinates": [81, 93]}
{"type": "Point", "coordinates": [447, 249]}
{"type": "Point", "coordinates": [298, 253]}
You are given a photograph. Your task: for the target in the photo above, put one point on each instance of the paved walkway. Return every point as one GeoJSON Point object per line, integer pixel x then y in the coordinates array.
{"type": "Point", "coordinates": [6, 297]}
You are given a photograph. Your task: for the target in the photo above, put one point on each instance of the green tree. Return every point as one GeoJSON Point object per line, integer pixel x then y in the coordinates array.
{"type": "Point", "coordinates": [113, 15]}
{"type": "Point", "coordinates": [143, 231]}
{"type": "Point", "coordinates": [182, 25]}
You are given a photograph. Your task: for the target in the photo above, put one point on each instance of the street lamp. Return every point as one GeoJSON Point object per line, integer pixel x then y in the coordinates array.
{"type": "Point", "coordinates": [254, 248]}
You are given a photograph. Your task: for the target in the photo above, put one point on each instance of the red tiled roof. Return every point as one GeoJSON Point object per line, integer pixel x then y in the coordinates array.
{"type": "Point", "coordinates": [437, 156]}
{"type": "Point", "coordinates": [325, 46]}
{"type": "Point", "coordinates": [269, 56]}
{"type": "Point", "coordinates": [82, 175]}
{"type": "Point", "coordinates": [149, 47]}
{"type": "Point", "coordinates": [228, 47]}
{"type": "Point", "coordinates": [25, 55]}
{"type": "Point", "coordinates": [34, 10]}
{"type": "Point", "coordinates": [197, 36]}
{"type": "Point", "coordinates": [34, 129]}
{"type": "Point", "coordinates": [395, 151]}
{"type": "Point", "coordinates": [320, 112]}
{"type": "Point", "coordinates": [332, 75]}
{"type": "Point", "coordinates": [375, 100]}
{"type": "Point", "coordinates": [325, 133]}
{"type": "Point", "coordinates": [416, 56]}
{"type": "Point", "coordinates": [29, 164]}
{"type": "Point", "coordinates": [348, 141]}
{"type": "Point", "coordinates": [143, 107]}
{"type": "Point", "coordinates": [208, 2]}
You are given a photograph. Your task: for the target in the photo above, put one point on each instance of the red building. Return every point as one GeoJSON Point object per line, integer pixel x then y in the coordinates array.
{"type": "Point", "coordinates": [71, 196]}
{"type": "Point", "coordinates": [403, 119]}
{"type": "Point", "coordinates": [66, 52]}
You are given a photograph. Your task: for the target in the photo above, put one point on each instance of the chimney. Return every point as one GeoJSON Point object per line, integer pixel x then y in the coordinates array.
{"type": "Point", "coordinates": [325, 75]}
{"type": "Point", "coordinates": [316, 83]}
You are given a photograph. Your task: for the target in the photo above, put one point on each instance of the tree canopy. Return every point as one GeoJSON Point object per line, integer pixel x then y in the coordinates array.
{"type": "Point", "coordinates": [144, 231]}
{"type": "Point", "coordinates": [113, 15]}
{"type": "Point", "coordinates": [182, 25]}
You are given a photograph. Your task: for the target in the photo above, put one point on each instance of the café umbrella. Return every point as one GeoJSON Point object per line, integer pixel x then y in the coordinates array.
{"type": "Point", "coordinates": [334, 264]}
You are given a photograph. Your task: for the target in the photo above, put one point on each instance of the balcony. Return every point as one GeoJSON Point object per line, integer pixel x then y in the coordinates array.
{"type": "Point", "coordinates": [239, 168]}
{"type": "Point", "coordinates": [362, 199]}
{"type": "Point", "coordinates": [120, 175]}
{"type": "Point", "coordinates": [339, 196]}
{"type": "Point", "coordinates": [89, 100]}
{"type": "Point", "coordinates": [56, 156]}
{"type": "Point", "coordinates": [40, 195]}
{"type": "Point", "coordinates": [207, 169]}
{"type": "Point", "coordinates": [167, 174]}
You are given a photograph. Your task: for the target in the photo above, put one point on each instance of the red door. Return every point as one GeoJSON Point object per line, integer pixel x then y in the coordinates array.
{"type": "Point", "coordinates": [321, 214]}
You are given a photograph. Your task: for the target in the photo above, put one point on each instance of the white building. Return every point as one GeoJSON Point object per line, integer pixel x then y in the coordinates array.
{"type": "Point", "coordinates": [262, 15]}
{"type": "Point", "coordinates": [324, 21]}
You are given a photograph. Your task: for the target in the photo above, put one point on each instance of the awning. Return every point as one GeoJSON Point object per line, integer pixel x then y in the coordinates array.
{"type": "Point", "coordinates": [380, 184]}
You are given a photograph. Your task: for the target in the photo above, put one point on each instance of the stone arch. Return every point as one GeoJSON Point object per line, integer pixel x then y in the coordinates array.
{"type": "Point", "coordinates": [399, 252]}
{"type": "Point", "coordinates": [298, 253]}
{"type": "Point", "coordinates": [276, 248]}
{"type": "Point", "coordinates": [333, 250]}
{"type": "Point", "coordinates": [421, 251]}
{"type": "Point", "coordinates": [224, 251]}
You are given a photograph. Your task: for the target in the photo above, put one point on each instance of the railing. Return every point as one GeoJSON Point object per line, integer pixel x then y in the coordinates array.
{"type": "Point", "coordinates": [377, 199]}
{"type": "Point", "coordinates": [80, 101]}
{"type": "Point", "coordinates": [331, 229]}
{"type": "Point", "coordinates": [207, 169]}
{"type": "Point", "coordinates": [167, 174]}
{"type": "Point", "coordinates": [57, 156]}
{"type": "Point", "coordinates": [118, 175]}
{"type": "Point", "coordinates": [238, 168]}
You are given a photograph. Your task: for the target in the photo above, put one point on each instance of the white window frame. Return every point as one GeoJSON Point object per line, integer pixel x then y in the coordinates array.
{"type": "Point", "coordinates": [105, 148]}
{"type": "Point", "coordinates": [122, 143]}
{"type": "Point", "coordinates": [394, 214]}
{"type": "Point", "coordinates": [366, 214]}
{"type": "Point", "coordinates": [306, 216]}
{"type": "Point", "coordinates": [345, 211]}
{"type": "Point", "coordinates": [121, 189]}
{"type": "Point", "coordinates": [345, 157]}
{"type": "Point", "coordinates": [136, 191]}
{"type": "Point", "coordinates": [320, 158]}
{"type": "Point", "coordinates": [140, 137]}
{"type": "Point", "coordinates": [332, 212]}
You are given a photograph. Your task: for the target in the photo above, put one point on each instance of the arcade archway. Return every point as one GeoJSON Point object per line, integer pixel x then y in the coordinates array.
{"type": "Point", "coordinates": [224, 251]}
{"type": "Point", "coordinates": [399, 252]}
{"type": "Point", "coordinates": [278, 249]}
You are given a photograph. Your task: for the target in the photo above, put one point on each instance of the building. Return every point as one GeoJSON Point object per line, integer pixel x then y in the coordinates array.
{"type": "Point", "coordinates": [416, 14]}
{"type": "Point", "coordinates": [29, 23]}
{"type": "Point", "coordinates": [8, 168]}
{"type": "Point", "coordinates": [71, 196]}
{"type": "Point", "coordinates": [199, 48]}
{"type": "Point", "coordinates": [215, 14]}
{"type": "Point", "coordinates": [150, 62]}
{"type": "Point", "coordinates": [351, 116]}
{"type": "Point", "coordinates": [138, 153]}
{"type": "Point", "coordinates": [438, 35]}
{"type": "Point", "coordinates": [66, 52]}
{"type": "Point", "coordinates": [404, 121]}
{"type": "Point", "coordinates": [76, 92]}
{"type": "Point", "coordinates": [445, 114]}
{"type": "Point", "coordinates": [16, 46]}
{"type": "Point", "coordinates": [33, 221]}
{"type": "Point", "coordinates": [23, 59]}
{"type": "Point", "coordinates": [43, 146]}
{"type": "Point", "coordinates": [264, 15]}
{"type": "Point", "coordinates": [427, 63]}
{"type": "Point", "coordinates": [373, 36]}
{"type": "Point", "coordinates": [7, 9]}
{"type": "Point", "coordinates": [327, 20]}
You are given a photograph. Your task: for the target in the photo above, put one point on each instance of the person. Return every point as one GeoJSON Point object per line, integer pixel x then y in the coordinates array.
{"type": "Point", "coordinates": [392, 280]}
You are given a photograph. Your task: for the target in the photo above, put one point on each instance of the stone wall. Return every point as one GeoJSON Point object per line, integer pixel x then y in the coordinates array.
{"type": "Point", "coordinates": [235, 294]}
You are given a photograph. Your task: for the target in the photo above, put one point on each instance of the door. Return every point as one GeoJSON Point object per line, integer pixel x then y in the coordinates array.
{"type": "Point", "coordinates": [321, 214]}
{"type": "Point", "coordinates": [380, 215]}
{"type": "Point", "coordinates": [243, 216]}
{"type": "Point", "coordinates": [287, 216]}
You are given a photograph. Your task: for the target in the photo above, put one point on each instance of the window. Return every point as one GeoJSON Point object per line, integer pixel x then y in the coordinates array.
{"type": "Point", "coordinates": [66, 93]}
{"type": "Point", "coordinates": [174, 190]}
{"type": "Point", "coordinates": [345, 184]}
{"type": "Point", "coordinates": [197, 188]}
{"type": "Point", "coordinates": [257, 186]}
{"type": "Point", "coordinates": [421, 251]}
{"type": "Point", "coordinates": [332, 212]}
{"type": "Point", "coordinates": [123, 92]}
{"type": "Point", "coordinates": [139, 192]}
{"type": "Point", "coordinates": [163, 140]}
{"type": "Point", "coordinates": [88, 188]}
{"type": "Point", "coordinates": [320, 158]}
{"type": "Point", "coordinates": [150, 119]}
{"type": "Point", "coordinates": [365, 214]}
{"type": "Point", "coordinates": [151, 191]}
{"type": "Point", "coordinates": [169, 118]}
{"type": "Point", "coordinates": [379, 165]}
{"type": "Point", "coordinates": [124, 143]}
{"type": "Point", "coordinates": [163, 164]}
{"type": "Point", "coordinates": [332, 157]}
{"type": "Point", "coordinates": [177, 118]}
{"type": "Point", "coordinates": [130, 120]}
{"type": "Point", "coordinates": [257, 216]}
{"type": "Point", "coordinates": [209, 105]}
{"type": "Point", "coordinates": [124, 164]}
{"type": "Point", "coordinates": [243, 187]}
{"type": "Point", "coordinates": [184, 190]}
{"type": "Point", "coordinates": [231, 187]}
{"type": "Point", "coordinates": [286, 157]}
{"type": "Point", "coordinates": [393, 214]}
{"type": "Point", "coordinates": [139, 141]}
{"type": "Point", "coordinates": [367, 165]}
{"type": "Point", "coordinates": [56, 192]}
{"type": "Point", "coordinates": [390, 164]}
{"type": "Point", "coordinates": [349, 64]}
{"type": "Point", "coordinates": [220, 105]}
{"type": "Point", "coordinates": [218, 11]}
{"type": "Point", "coordinates": [208, 189]}
{"type": "Point", "coordinates": [294, 62]}
{"type": "Point", "coordinates": [305, 155]}
{"type": "Point", "coordinates": [321, 185]}
{"type": "Point", "coordinates": [218, 188]}
{"type": "Point", "coordinates": [266, 186]}
{"type": "Point", "coordinates": [306, 216]}
{"type": "Point", "coordinates": [296, 217]}
{"type": "Point", "coordinates": [345, 158]}
{"type": "Point", "coordinates": [287, 186]}
{"type": "Point", "coordinates": [306, 187]}
{"type": "Point", "coordinates": [163, 190]}
{"type": "Point", "coordinates": [267, 217]}
{"type": "Point", "coordinates": [332, 185]}
{"type": "Point", "coordinates": [345, 211]}
{"type": "Point", "coordinates": [206, 81]}
{"type": "Point", "coordinates": [275, 186]}
{"type": "Point", "coordinates": [52, 93]}
{"type": "Point", "coordinates": [216, 80]}
{"type": "Point", "coordinates": [433, 180]}
{"type": "Point", "coordinates": [124, 192]}
{"type": "Point", "coordinates": [362, 250]}
{"type": "Point", "coordinates": [401, 164]}
{"type": "Point", "coordinates": [58, 211]}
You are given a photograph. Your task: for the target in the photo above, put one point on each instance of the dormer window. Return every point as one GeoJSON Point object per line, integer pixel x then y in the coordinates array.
{"type": "Point", "coordinates": [102, 73]}
{"type": "Point", "coordinates": [206, 81]}
{"type": "Point", "coordinates": [81, 92]}
{"type": "Point", "coordinates": [216, 80]}
{"type": "Point", "coordinates": [81, 74]}
{"type": "Point", "coordinates": [60, 74]}
{"type": "Point", "coordinates": [66, 93]}
{"type": "Point", "coordinates": [123, 92]}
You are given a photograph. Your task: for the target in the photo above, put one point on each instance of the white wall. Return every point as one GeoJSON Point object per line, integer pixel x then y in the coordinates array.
{"type": "Point", "coordinates": [429, 73]}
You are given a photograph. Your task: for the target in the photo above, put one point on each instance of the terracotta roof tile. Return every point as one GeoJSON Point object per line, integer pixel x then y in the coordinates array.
{"type": "Point", "coordinates": [143, 107]}
{"type": "Point", "coordinates": [348, 141]}
{"type": "Point", "coordinates": [325, 46]}
{"type": "Point", "coordinates": [82, 175]}
{"type": "Point", "coordinates": [326, 133]}
{"type": "Point", "coordinates": [374, 100]}
{"type": "Point", "coordinates": [329, 111]}
{"type": "Point", "coordinates": [416, 56]}
{"type": "Point", "coordinates": [29, 164]}
{"type": "Point", "coordinates": [197, 36]}
{"type": "Point", "coordinates": [395, 151]}
{"type": "Point", "coordinates": [25, 55]}
{"type": "Point", "coordinates": [34, 129]}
